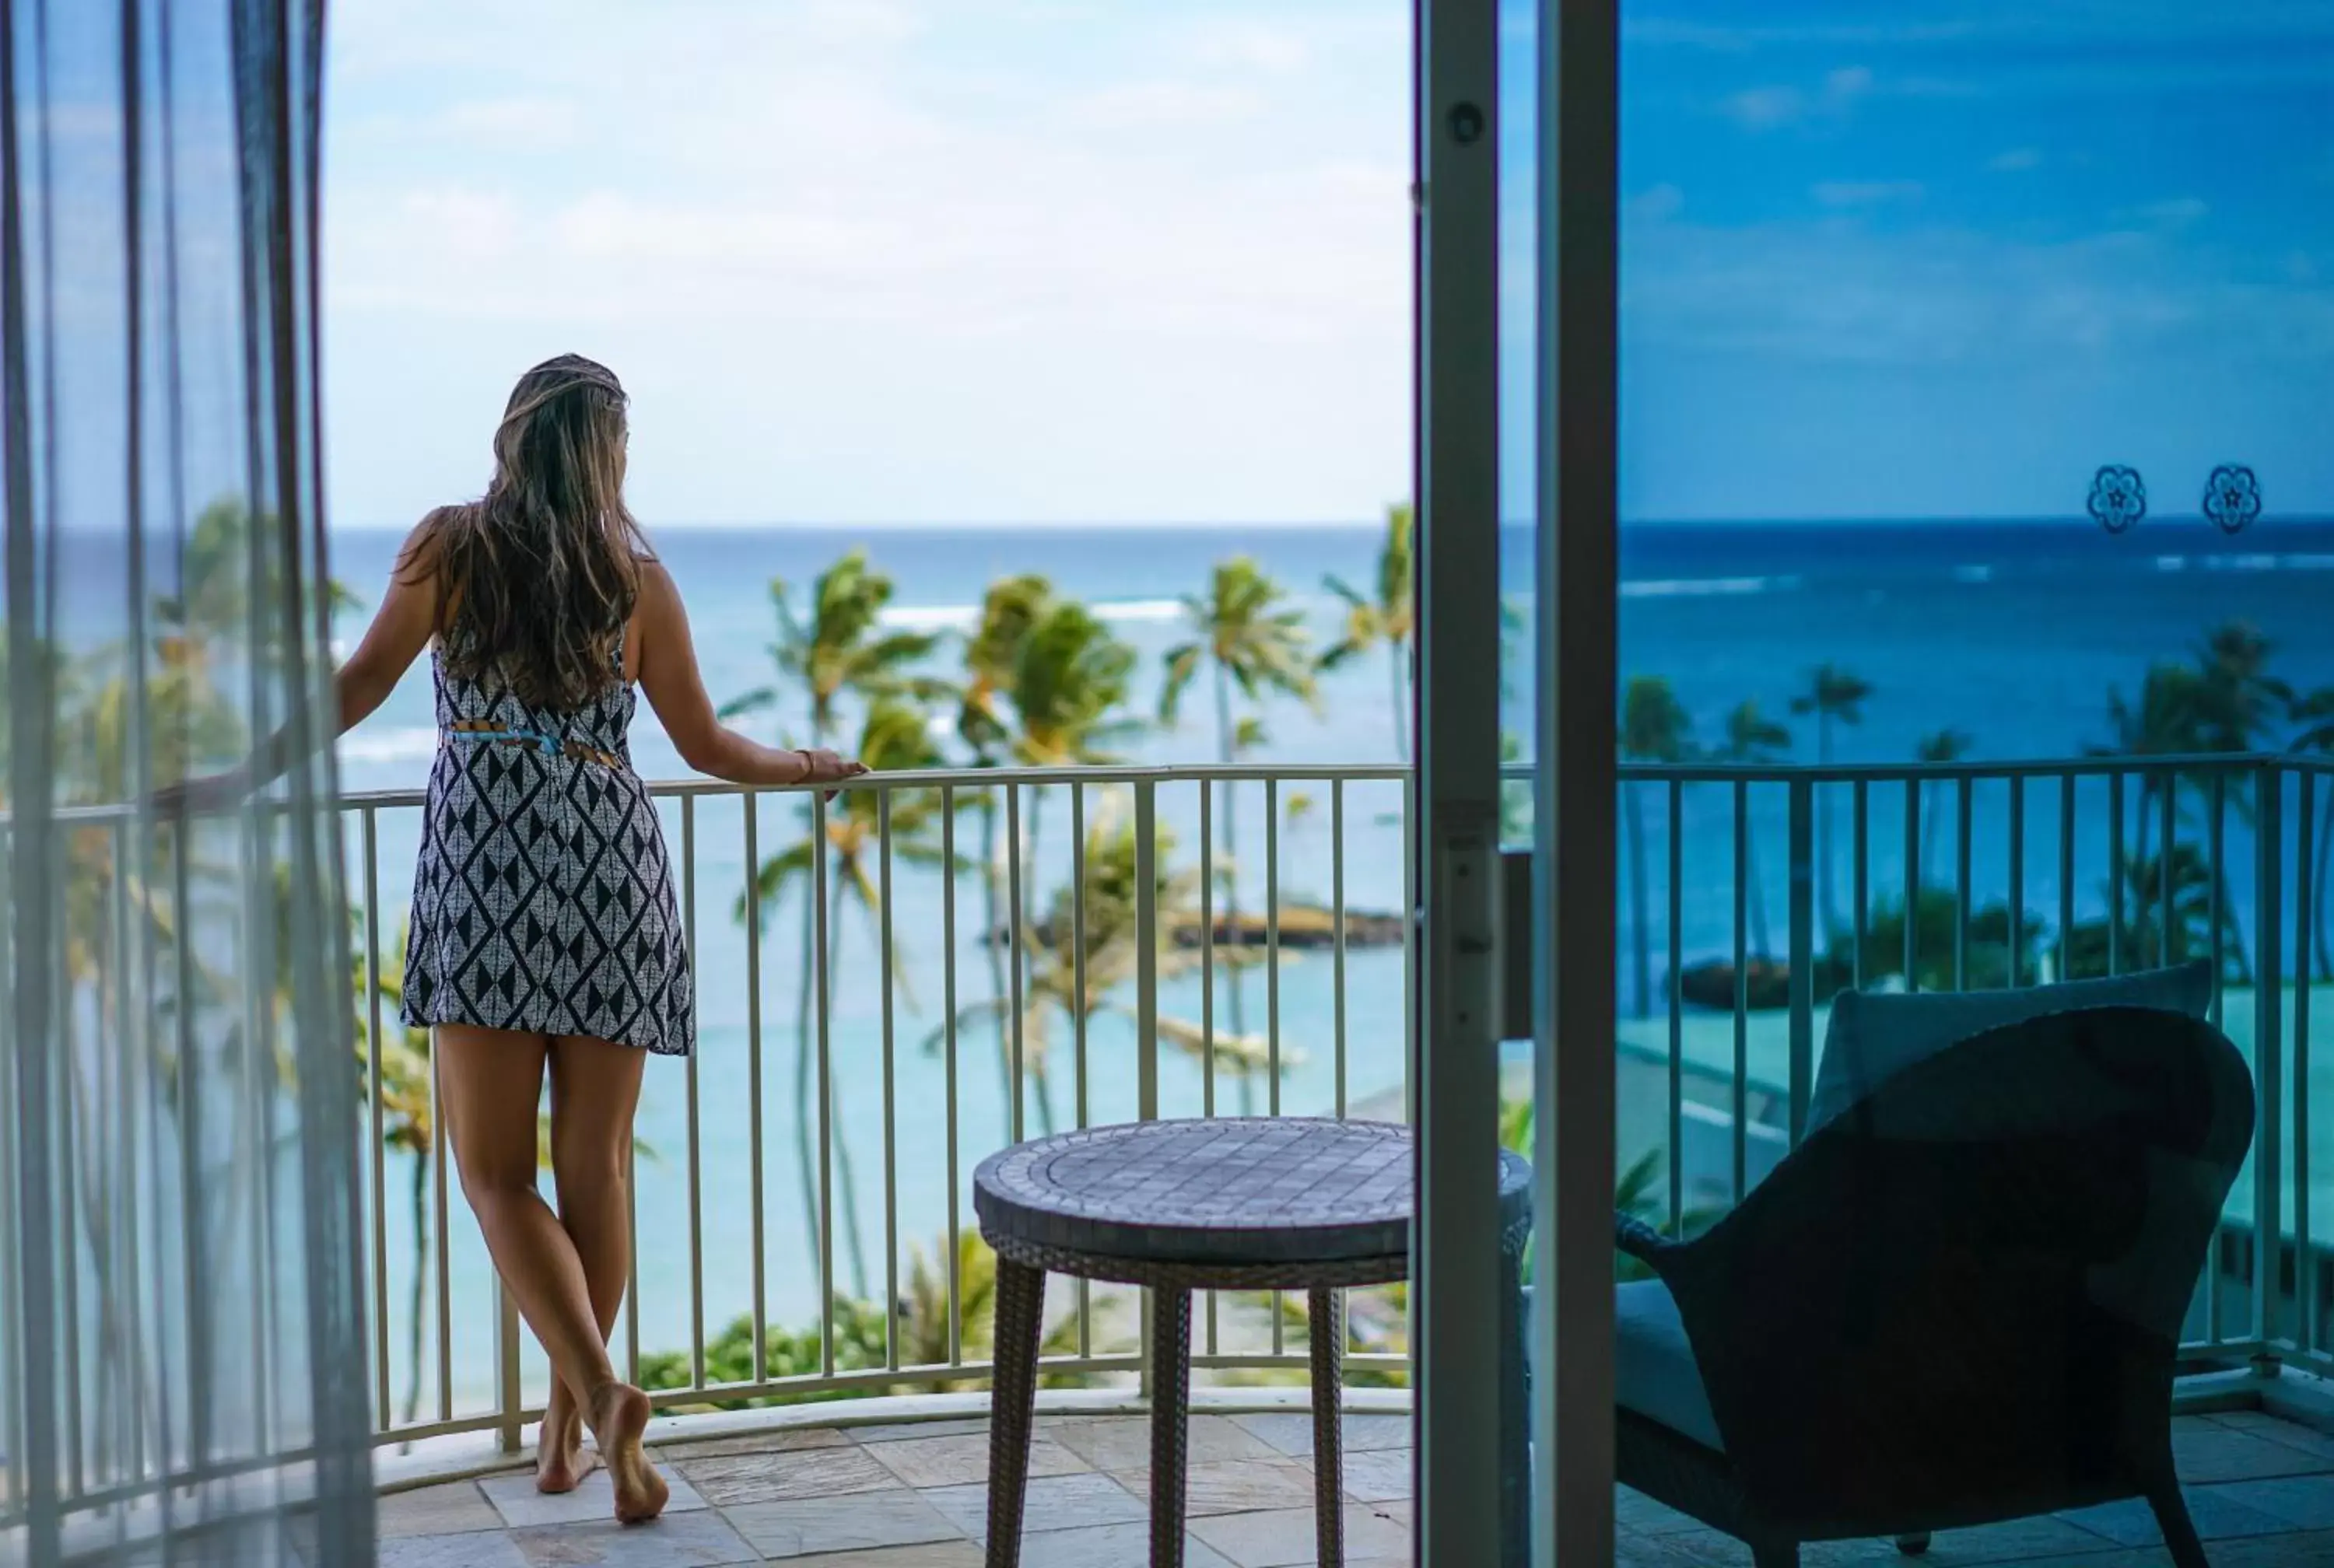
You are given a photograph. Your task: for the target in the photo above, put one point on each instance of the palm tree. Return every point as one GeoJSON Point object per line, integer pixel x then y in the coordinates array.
{"type": "Point", "coordinates": [1254, 642]}
{"type": "Point", "coordinates": [892, 738]}
{"type": "Point", "coordinates": [1108, 936]}
{"type": "Point", "coordinates": [1833, 695]}
{"type": "Point", "coordinates": [840, 650]}
{"type": "Point", "coordinates": [2315, 711]}
{"type": "Point", "coordinates": [1653, 728]}
{"type": "Point", "coordinates": [992, 663]}
{"type": "Point", "coordinates": [1752, 737]}
{"type": "Point", "coordinates": [1387, 617]}
{"type": "Point", "coordinates": [1947, 745]}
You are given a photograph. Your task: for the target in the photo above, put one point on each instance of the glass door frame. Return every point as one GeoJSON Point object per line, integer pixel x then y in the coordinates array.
{"type": "Point", "coordinates": [1458, 981]}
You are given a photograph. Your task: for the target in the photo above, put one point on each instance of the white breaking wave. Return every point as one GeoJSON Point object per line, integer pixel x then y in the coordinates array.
{"type": "Point", "coordinates": [966, 618]}
{"type": "Point", "coordinates": [405, 744]}
{"type": "Point", "coordinates": [1698, 587]}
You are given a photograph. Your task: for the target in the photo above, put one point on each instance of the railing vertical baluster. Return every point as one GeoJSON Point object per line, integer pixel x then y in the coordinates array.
{"type": "Point", "coordinates": [2167, 837]}
{"type": "Point", "coordinates": [2216, 847]}
{"type": "Point", "coordinates": [510, 1400]}
{"type": "Point", "coordinates": [948, 1068]}
{"type": "Point", "coordinates": [2305, 913]}
{"type": "Point", "coordinates": [1146, 994]}
{"type": "Point", "coordinates": [1740, 1104]}
{"type": "Point", "coordinates": [631, 1257]}
{"type": "Point", "coordinates": [1802, 948]}
{"type": "Point", "coordinates": [1914, 878]}
{"type": "Point", "coordinates": [824, 1086]}
{"type": "Point", "coordinates": [1963, 814]}
{"type": "Point", "coordinates": [696, 1148]}
{"type": "Point", "coordinates": [122, 1167]}
{"type": "Point", "coordinates": [2268, 1007]}
{"type": "Point", "coordinates": [2066, 966]}
{"type": "Point", "coordinates": [2017, 880]}
{"type": "Point", "coordinates": [1147, 950]}
{"type": "Point", "coordinates": [891, 1088]}
{"type": "Point", "coordinates": [1272, 990]}
{"type": "Point", "coordinates": [1208, 967]}
{"type": "Point", "coordinates": [1861, 853]}
{"type": "Point", "coordinates": [438, 1247]}
{"type": "Point", "coordinates": [1209, 1327]}
{"type": "Point", "coordinates": [1676, 826]}
{"type": "Point", "coordinates": [1018, 949]}
{"type": "Point", "coordinates": [377, 1156]}
{"type": "Point", "coordinates": [1078, 1013]}
{"type": "Point", "coordinates": [1272, 958]}
{"type": "Point", "coordinates": [2118, 873]}
{"type": "Point", "coordinates": [751, 802]}
{"type": "Point", "coordinates": [2217, 854]}
{"type": "Point", "coordinates": [1337, 935]}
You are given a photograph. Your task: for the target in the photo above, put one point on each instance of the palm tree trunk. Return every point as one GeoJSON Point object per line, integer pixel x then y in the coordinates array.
{"type": "Point", "coordinates": [1040, 1080]}
{"type": "Point", "coordinates": [805, 1162]}
{"type": "Point", "coordinates": [1644, 952]}
{"type": "Point", "coordinates": [992, 900]}
{"type": "Point", "coordinates": [421, 1195]}
{"type": "Point", "coordinates": [1238, 1000]}
{"type": "Point", "coordinates": [846, 1174]}
{"type": "Point", "coordinates": [1399, 659]}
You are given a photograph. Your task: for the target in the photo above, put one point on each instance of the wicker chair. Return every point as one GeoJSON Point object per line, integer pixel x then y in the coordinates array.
{"type": "Point", "coordinates": [1956, 1303]}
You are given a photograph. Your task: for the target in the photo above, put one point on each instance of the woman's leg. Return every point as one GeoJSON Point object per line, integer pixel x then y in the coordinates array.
{"type": "Point", "coordinates": [595, 1087]}
{"type": "Point", "coordinates": [492, 1080]}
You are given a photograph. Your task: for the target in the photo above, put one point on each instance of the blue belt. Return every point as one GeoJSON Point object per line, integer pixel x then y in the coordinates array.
{"type": "Point", "coordinates": [549, 745]}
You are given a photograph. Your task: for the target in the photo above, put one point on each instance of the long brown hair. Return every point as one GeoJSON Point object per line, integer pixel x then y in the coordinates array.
{"type": "Point", "coordinates": [536, 579]}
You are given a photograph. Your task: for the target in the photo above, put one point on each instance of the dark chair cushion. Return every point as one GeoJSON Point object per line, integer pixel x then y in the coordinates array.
{"type": "Point", "coordinates": [1654, 1367]}
{"type": "Point", "coordinates": [1872, 1036]}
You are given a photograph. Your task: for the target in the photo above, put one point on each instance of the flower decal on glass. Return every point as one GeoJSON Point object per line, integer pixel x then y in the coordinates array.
{"type": "Point", "coordinates": [2118, 497]}
{"type": "Point", "coordinates": [2232, 497]}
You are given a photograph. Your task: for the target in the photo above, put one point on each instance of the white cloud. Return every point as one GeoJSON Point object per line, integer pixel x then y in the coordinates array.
{"type": "Point", "coordinates": [1850, 193]}
{"type": "Point", "coordinates": [854, 271]}
{"type": "Point", "coordinates": [1657, 202]}
{"type": "Point", "coordinates": [1768, 107]}
{"type": "Point", "coordinates": [2017, 160]}
{"type": "Point", "coordinates": [2177, 213]}
{"type": "Point", "coordinates": [1764, 108]}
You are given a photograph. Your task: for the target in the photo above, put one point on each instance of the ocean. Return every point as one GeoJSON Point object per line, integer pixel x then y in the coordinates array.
{"type": "Point", "coordinates": [2015, 633]}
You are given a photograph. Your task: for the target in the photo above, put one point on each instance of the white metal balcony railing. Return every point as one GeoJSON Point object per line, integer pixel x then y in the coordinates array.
{"type": "Point", "coordinates": [1145, 951]}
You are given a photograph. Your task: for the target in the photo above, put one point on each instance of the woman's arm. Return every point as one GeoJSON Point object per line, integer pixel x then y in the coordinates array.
{"type": "Point", "coordinates": [400, 630]}
{"type": "Point", "coordinates": [675, 689]}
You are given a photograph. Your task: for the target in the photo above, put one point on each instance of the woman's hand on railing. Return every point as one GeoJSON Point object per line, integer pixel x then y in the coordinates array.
{"type": "Point", "coordinates": [201, 796]}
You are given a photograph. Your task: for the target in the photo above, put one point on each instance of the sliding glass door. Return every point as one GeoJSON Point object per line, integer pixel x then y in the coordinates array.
{"type": "Point", "coordinates": [1517, 150]}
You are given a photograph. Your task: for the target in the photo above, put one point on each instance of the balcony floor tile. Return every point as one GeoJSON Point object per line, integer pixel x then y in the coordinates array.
{"type": "Point", "coordinates": [861, 1521]}
{"type": "Point", "coordinates": [448, 1510]}
{"type": "Point", "coordinates": [697, 1540]}
{"type": "Point", "coordinates": [522, 1506]}
{"type": "Point", "coordinates": [884, 1497]}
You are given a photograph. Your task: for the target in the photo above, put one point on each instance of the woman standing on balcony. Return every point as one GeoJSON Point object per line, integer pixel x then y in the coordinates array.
{"type": "Point", "coordinates": [545, 937]}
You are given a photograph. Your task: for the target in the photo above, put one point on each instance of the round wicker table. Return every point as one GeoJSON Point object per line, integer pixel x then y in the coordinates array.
{"type": "Point", "coordinates": [1282, 1203]}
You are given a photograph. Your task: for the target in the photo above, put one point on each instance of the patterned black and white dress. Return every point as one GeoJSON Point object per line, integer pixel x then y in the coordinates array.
{"type": "Point", "coordinates": [543, 899]}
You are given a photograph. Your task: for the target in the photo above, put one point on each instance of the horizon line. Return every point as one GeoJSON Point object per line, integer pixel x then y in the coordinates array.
{"type": "Point", "coordinates": [1327, 525]}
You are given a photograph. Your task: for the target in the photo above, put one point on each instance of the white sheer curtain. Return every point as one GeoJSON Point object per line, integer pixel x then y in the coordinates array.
{"type": "Point", "coordinates": [183, 1356]}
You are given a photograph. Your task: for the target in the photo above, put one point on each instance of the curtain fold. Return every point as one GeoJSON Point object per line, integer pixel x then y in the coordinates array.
{"type": "Point", "coordinates": [183, 1348]}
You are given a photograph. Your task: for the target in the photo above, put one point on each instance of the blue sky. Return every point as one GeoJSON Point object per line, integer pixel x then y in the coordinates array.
{"type": "Point", "coordinates": [1039, 260]}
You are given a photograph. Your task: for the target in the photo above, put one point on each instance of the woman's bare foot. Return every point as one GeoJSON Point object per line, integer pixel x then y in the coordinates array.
{"type": "Point", "coordinates": [620, 1415]}
{"type": "Point", "coordinates": [561, 1459]}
